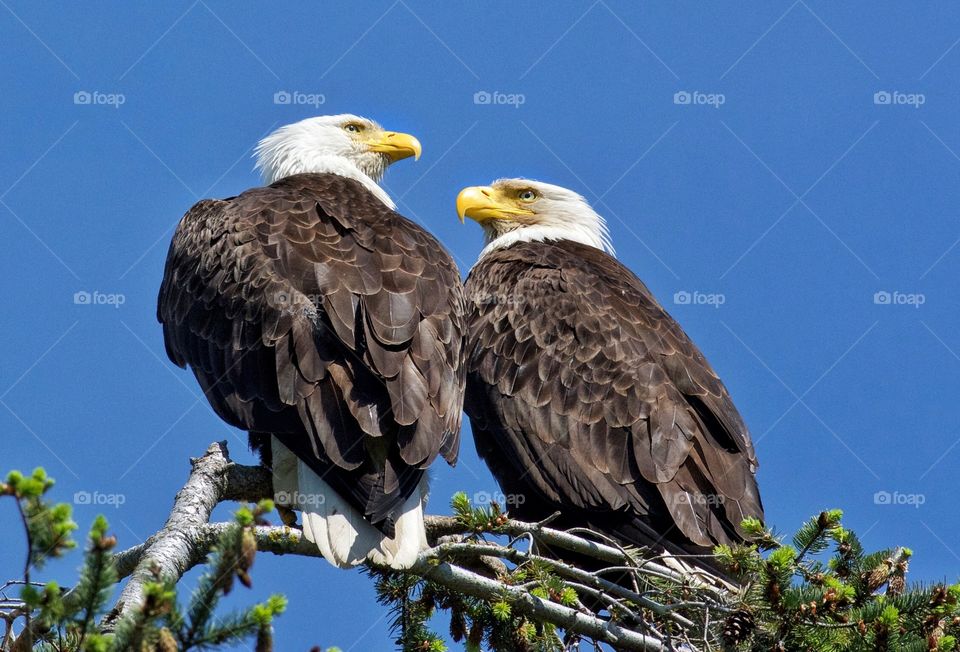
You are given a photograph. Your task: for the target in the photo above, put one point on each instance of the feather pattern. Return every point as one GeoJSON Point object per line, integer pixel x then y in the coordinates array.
{"type": "Point", "coordinates": [311, 312]}
{"type": "Point", "coordinates": [586, 397]}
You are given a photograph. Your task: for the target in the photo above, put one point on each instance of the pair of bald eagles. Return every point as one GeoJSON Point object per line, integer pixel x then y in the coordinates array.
{"type": "Point", "coordinates": [339, 335]}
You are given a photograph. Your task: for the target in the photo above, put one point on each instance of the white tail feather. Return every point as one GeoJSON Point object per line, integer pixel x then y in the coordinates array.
{"type": "Point", "coordinates": [343, 536]}
{"type": "Point", "coordinates": [411, 537]}
{"type": "Point", "coordinates": [286, 479]}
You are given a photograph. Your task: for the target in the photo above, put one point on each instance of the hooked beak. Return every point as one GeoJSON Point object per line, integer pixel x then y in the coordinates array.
{"type": "Point", "coordinates": [395, 145]}
{"type": "Point", "coordinates": [483, 203]}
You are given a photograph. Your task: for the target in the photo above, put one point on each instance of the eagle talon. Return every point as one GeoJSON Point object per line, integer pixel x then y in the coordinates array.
{"type": "Point", "coordinates": [287, 515]}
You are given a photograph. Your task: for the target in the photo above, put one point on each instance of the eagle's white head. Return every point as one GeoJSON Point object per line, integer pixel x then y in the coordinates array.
{"type": "Point", "coordinates": [522, 210]}
{"type": "Point", "coordinates": [344, 144]}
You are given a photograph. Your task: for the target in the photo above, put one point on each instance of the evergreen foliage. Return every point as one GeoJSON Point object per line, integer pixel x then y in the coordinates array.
{"type": "Point", "coordinates": [818, 590]}
{"type": "Point", "coordinates": [70, 620]}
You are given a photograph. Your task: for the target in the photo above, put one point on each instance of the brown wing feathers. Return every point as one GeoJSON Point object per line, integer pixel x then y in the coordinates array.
{"type": "Point", "coordinates": [586, 397]}
{"type": "Point", "coordinates": [310, 311]}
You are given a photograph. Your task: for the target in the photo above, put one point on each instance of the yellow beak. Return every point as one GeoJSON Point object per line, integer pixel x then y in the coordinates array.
{"type": "Point", "coordinates": [395, 145]}
{"type": "Point", "coordinates": [482, 203]}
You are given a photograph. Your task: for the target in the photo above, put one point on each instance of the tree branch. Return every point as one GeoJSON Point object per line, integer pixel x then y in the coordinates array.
{"type": "Point", "coordinates": [187, 537]}
{"type": "Point", "coordinates": [173, 551]}
{"type": "Point", "coordinates": [283, 540]}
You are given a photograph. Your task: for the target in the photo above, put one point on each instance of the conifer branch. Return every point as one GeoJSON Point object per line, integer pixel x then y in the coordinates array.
{"type": "Point", "coordinates": [501, 590]}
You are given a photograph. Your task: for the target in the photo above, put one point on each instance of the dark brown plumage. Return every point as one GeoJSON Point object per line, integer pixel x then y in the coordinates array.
{"type": "Point", "coordinates": [587, 398]}
{"type": "Point", "coordinates": [310, 311]}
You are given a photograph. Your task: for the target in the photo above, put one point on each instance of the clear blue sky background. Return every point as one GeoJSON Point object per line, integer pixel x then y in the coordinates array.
{"type": "Point", "coordinates": [795, 201]}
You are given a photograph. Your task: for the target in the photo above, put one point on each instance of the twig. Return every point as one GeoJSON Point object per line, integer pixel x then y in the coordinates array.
{"type": "Point", "coordinates": [527, 604]}
{"type": "Point", "coordinates": [28, 630]}
{"type": "Point", "coordinates": [570, 572]}
{"type": "Point", "coordinates": [187, 538]}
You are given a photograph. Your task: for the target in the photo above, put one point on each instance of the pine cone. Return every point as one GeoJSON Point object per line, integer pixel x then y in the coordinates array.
{"type": "Point", "coordinates": [458, 625]}
{"type": "Point", "coordinates": [738, 627]}
{"type": "Point", "coordinates": [878, 576]}
{"type": "Point", "coordinates": [475, 636]}
{"type": "Point", "coordinates": [938, 597]}
{"type": "Point", "coordinates": [896, 585]}
{"type": "Point", "coordinates": [166, 642]}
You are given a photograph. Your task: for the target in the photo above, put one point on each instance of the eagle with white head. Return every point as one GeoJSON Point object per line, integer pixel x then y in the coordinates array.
{"type": "Point", "coordinates": [329, 327]}
{"type": "Point", "coordinates": [585, 397]}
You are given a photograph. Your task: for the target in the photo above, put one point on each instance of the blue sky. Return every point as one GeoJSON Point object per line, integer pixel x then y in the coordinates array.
{"type": "Point", "coordinates": [783, 176]}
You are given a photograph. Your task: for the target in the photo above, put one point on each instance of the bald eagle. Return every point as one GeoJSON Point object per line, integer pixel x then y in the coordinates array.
{"type": "Point", "coordinates": [329, 327]}
{"type": "Point", "coordinates": [584, 395]}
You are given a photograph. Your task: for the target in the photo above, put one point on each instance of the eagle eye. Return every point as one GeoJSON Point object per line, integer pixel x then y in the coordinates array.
{"type": "Point", "coordinates": [353, 127]}
{"type": "Point", "coordinates": [527, 195]}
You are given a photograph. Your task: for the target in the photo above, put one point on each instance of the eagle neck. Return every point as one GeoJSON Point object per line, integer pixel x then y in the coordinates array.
{"type": "Point", "coordinates": [339, 166]}
{"type": "Point", "coordinates": [548, 233]}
